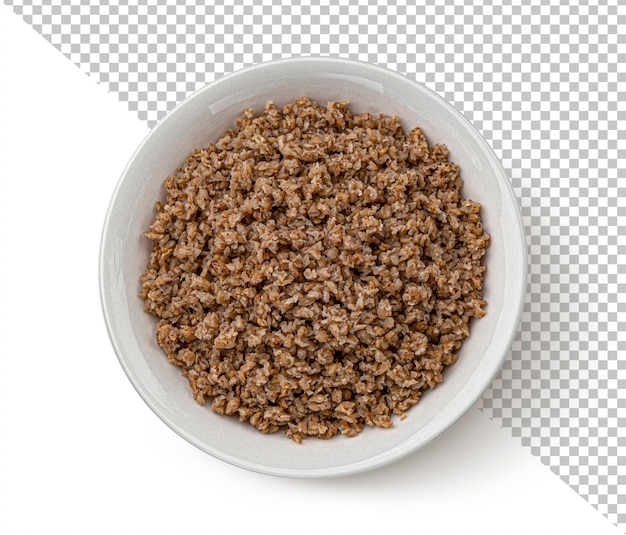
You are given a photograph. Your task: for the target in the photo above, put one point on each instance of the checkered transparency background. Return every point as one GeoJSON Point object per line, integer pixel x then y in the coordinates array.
{"type": "Point", "coordinates": [545, 84]}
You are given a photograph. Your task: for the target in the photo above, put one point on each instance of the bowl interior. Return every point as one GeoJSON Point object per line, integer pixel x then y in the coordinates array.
{"type": "Point", "coordinates": [201, 119]}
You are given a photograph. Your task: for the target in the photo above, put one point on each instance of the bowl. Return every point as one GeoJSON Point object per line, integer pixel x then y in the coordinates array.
{"type": "Point", "coordinates": [201, 119]}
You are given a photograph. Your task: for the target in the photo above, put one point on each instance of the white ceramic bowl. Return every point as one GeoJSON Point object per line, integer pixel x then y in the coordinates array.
{"type": "Point", "coordinates": [201, 119]}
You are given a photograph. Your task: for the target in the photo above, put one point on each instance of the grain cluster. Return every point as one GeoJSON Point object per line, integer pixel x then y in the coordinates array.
{"type": "Point", "coordinates": [315, 270]}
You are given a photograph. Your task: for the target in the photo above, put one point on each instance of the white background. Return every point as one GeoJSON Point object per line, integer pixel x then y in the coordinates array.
{"type": "Point", "coordinates": [80, 453]}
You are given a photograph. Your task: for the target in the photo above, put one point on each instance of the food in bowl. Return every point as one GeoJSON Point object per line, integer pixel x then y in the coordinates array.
{"type": "Point", "coordinates": [315, 270]}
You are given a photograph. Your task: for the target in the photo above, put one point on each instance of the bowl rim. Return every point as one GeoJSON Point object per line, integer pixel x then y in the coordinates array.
{"type": "Point", "coordinates": [381, 459]}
